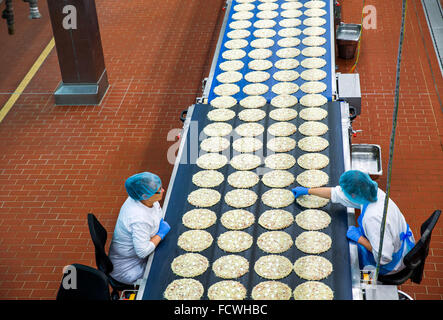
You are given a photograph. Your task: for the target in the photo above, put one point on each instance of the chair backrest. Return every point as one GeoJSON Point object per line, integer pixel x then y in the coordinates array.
{"type": "Point", "coordinates": [84, 283]}
{"type": "Point", "coordinates": [99, 237]}
{"type": "Point", "coordinates": [415, 259]}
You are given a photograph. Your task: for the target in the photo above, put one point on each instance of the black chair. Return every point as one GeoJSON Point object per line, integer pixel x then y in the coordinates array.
{"type": "Point", "coordinates": [415, 259]}
{"type": "Point", "coordinates": [99, 236]}
{"type": "Point", "coordinates": [83, 283]}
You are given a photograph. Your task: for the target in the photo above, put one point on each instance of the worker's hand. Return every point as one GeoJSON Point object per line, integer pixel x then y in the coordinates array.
{"type": "Point", "coordinates": [163, 229]}
{"type": "Point", "coordinates": [300, 191]}
{"type": "Point", "coordinates": [353, 233]}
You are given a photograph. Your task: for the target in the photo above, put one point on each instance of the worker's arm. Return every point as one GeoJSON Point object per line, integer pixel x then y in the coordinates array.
{"type": "Point", "coordinates": [323, 192]}
{"type": "Point", "coordinates": [156, 240]}
{"type": "Point", "coordinates": [365, 243]}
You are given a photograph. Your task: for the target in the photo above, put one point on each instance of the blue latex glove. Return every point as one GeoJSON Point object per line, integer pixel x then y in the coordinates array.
{"type": "Point", "coordinates": [163, 229]}
{"type": "Point", "coordinates": [353, 233]}
{"type": "Point", "coordinates": [299, 191]}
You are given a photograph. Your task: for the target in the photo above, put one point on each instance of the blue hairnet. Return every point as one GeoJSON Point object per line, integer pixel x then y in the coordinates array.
{"type": "Point", "coordinates": [359, 184]}
{"type": "Point", "coordinates": [142, 186]}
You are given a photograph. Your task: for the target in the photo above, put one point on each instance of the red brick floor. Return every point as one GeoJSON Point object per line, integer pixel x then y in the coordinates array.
{"type": "Point", "coordinates": [59, 163]}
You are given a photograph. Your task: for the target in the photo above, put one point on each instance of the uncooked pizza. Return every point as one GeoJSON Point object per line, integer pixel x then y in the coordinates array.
{"type": "Point", "coordinates": [238, 34]}
{"type": "Point", "coordinates": [313, 75]}
{"type": "Point", "coordinates": [251, 115]}
{"type": "Point", "coordinates": [204, 197]}
{"type": "Point", "coordinates": [313, 87]}
{"type": "Point", "coordinates": [264, 33]}
{"type": "Point", "coordinates": [313, 114]}
{"type": "Point", "coordinates": [271, 290]}
{"type": "Point", "coordinates": [313, 63]}
{"type": "Point", "coordinates": [313, 219]}
{"type": "Point", "coordinates": [313, 51]}
{"type": "Point", "coordinates": [267, 14]}
{"type": "Point", "coordinates": [214, 144]}
{"type": "Point", "coordinates": [286, 75]}
{"type": "Point", "coordinates": [290, 23]}
{"type": "Point", "coordinates": [211, 161]}
{"type": "Point", "coordinates": [262, 43]}
{"type": "Point", "coordinates": [280, 161]}
{"type": "Point", "coordinates": [242, 15]}
{"type": "Point", "coordinates": [315, 12]}
{"type": "Point", "coordinates": [291, 5]}
{"type": "Point", "coordinates": [313, 144]}
{"type": "Point", "coordinates": [282, 129]}
{"type": "Point", "coordinates": [267, 6]}
{"type": "Point", "coordinates": [189, 265]}
{"type": "Point", "coordinates": [240, 24]}
{"type": "Point", "coordinates": [313, 100]}
{"type": "Point", "coordinates": [313, 178]}
{"type": "Point", "coordinates": [237, 219]}
{"type": "Point", "coordinates": [274, 241]}
{"type": "Point", "coordinates": [264, 24]}
{"type": "Point", "coordinates": [217, 129]}
{"type": "Point", "coordinates": [313, 161]}
{"type": "Point", "coordinates": [245, 161]}
{"type": "Point", "coordinates": [278, 198]}
{"type": "Point", "coordinates": [312, 201]}
{"type": "Point", "coordinates": [184, 289]}
{"type": "Point", "coordinates": [276, 219]}
{"type": "Point", "coordinates": [241, 198]}
{"type": "Point", "coordinates": [250, 129]}
{"type": "Point", "coordinates": [243, 179]}
{"type": "Point", "coordinates": [284, 88]}
{"type": "Point", "coordinates": [199, 218]}
{"type": "Point", "coordinates": [252, 102]}
{"type": "Point", "coordinates": [223, 102]}
{"type": "Point", "coordinates": [221, 115]}
{"type": "Point", "coordinates": [227, 290]}
{"type": "Point", "coordinates": [247, 144]}
{"type": "Point", "coordinates": [288, 42]}
{"type": "Point", "coordinates": [255, 89]}
{"type": "Point", "coordinates": [234, 54]}
{"type": "Point", "coordinates": [257, 76]}
{"type": "Point", "coordinates": [195, 240]}
{"type": "Point", "coordinates": [315, 4]}
{"type": "Point", "coordinates": [283, 114]}
{"type": "Point", "coordinates": [281, 144]}
{"type": "Point", "coordinates": [312, 267]}
{"type": "Point", "coordinates": [244, 7]}
{"type": "Point", "coordinates": [226, 89]}
{"type": "Point", "coordinates": [273, 267]}
{"type": "Point", "coordinates": [314, 41]}
{"type": "Point", "coordinates": [314, 22]}
{"type": "Point", "coordinates": [259, 65]}
{"type": "Point", "coordinates": [236, 44]}
{"type": "Point", "coordinates": [287, 64]}
{"type": "Point", "coordinates": [313, 290]}
{"type": "Point", "coordinates": [260, 54]}
{"type": "Point", "coordinates": [234, 241]}
{"type": "Point", "coordinates": [313, 128]}
{"type": "Point", "coordinates": [291, 13]}
{"type": "Point", "coordinates": [230, 266]}
{"type": "Point", "coordinates": [229, 77]}
{"type": "Point", "coordinates": [284, 101]}
{"type": "Point", "coordinates": [313, 242]}
{"type": "Point", "coordinates": [278, 179]}
{"type": "Point", "coordinates": [207, 178]}
{"type": "Point", "coordinates": [314, 31]}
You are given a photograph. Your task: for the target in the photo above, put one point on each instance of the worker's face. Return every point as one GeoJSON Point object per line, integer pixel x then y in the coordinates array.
{"type": "Point", "coordinates": [158, 195]}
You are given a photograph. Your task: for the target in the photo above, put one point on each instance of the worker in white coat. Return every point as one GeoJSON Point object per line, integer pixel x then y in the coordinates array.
{"type": "Point", "coordinates": [139, 229]}
{"type": "Point", "coordinates": [357, 190]}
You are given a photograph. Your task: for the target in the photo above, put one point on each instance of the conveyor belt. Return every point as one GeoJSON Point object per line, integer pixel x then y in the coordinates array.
{"type": "Point", "coordinates": [161, 275]}
{"type": "Point", "coordinates": [329, 68]}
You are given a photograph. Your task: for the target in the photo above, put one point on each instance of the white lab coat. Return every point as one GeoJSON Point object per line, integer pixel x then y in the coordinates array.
{"type": "Point", "coordinates": [136, 225]}
{"type": "Point", "coordinates": [371, 223]}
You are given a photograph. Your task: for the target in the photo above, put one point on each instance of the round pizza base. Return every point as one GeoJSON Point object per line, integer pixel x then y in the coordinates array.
{"type": "Point", "coordinates": [312, 202]}
{"type": "Point", "coordinates": [262, 43]}
{"type": "Point", "coordinates": [312, 267]}
{"type": "Point", "coordinates": [289, 23]}
{"type": "Point", "coordinates": [251, 115]}
{"type": "Point", "coordinates": [207, 178]}
{"type": "Point", "coordinates": [226, 89]}
{"type": "Point", "coordinates": [288, 53]}
{"type": "Point", "coordinates": [234, 54]}
{"type": "Point", "coordinates": [313, 242]}
{"type": "Point", "coordinates": [255, 89]}
{"type": "Point", "coordinates": [313, 128]}
{"type": "Point", "coordinates": [278, 179]}
{"type": "Point", "coordinates": [313, 87]}
{"type": "Point", "coordinates": [274, 241]}
{"type": "Point", "coordinates": [313, 100]}
{"type": "Point", "coordinates": [217, 129]}
{"type": "Point", "coordinates": [243, 179]}
{"type": "Point", "coordinates": [199, 219]}
{"type": "Point", "coordinates": [264, 24]}
{"type": "Point", "coordinates": [245, 161]}
{"type": "Point", "coordinates": [313, 290]}
{"type": "Point", "coordinates": [247, 144]}
{"type": "Point", "coordinates": [273, 267]}
{"type": "Point", "coordinates": [257, 76]}
{"type": "Point", "coordinates": [240, 198]}
{"type": "Point", "coordinates": [283, 114]}
{"type": "Point", "coordinates": [260, 54]}
{"type": "Point", "coordinates": [221, 115]}
{"type": "Point", "coordinates": [184, 289]}
{"type": "Point", "coordinates": [280, 161]}
{"type": "Point", "coordinates": [281, 144]}
{"type": "Point", "coordinates": [278, 198]}
{"type": "Point", "coordinates": [284, 101]}
{"type": "Point", "coordinates": [286, 75]}
{"type": "Point", "coordinates": [189, 265]}
{"type": "Point", "coordinates": [313, 75]}
{"type": "Point", "coordinates": [223, 102]}
{"type": "Point", "coordinates": [314, 41]}
{"type": "Point", "coordinates": [271, 290]}
{"type": "Point", "coordinates": [204, 197]}
{"type": "Point", "coordinates": [313, 63]}
{"type": "Point", "coordinates": [252, 102]}
{"type": "Point", "coordinates": [282, 129]}
{"type": "Point", "coordinates": [313, 178]}
{"type": "Point", "coordinates": [229, 77]}
{"type": "Point", "coordinates": [276, 219]}
{"type": "Point", "coordinates": [237, 219]}
{"type": "Point", "coordinates": [289, 33]}
{"type": "Point", "coordinates": [236, 44]}
{"type": "Point", "coordinates": [287, 64]}
{"type": "Point", "coordinates": [230, 266]}
{"type": "Point", "coordinates": [288, 42]}
{"type": "Point", "coordinates": [313, 114]}
{"type": "Point", "coordinates": [195, 240]}
{"type": "Point", "coordinates": [313, 144]}
{"type": "Point", "coordinates": [212, 161]}
{"type": "Point", "coordinates": [313, 219]}
{"type": "Point", "coordinates": [227, 290]}
{"type": "Point", "coordinates": [234, 241]}
{"type": "Point", "coordinates": [285, 88]}
{"type": "Point", "coordinates": [259, 65]}
{"type": "Point", "coordinates": [313, 161]}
